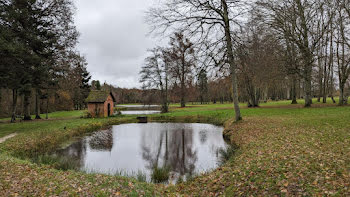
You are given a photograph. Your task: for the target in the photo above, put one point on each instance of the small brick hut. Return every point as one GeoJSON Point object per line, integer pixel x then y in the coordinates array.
{"type": "Point", "coordinates": [100, 103]}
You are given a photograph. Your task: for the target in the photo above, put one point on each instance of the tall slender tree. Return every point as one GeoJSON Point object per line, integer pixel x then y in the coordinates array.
{"type": "Point", "coordinates": [203, 86]}
{"type": "Point", "coordinates": [155, 74]}
{"type": "Point", "coordinates": [180, 56]}
{"type": "Point", "coordinates": [210, 21]}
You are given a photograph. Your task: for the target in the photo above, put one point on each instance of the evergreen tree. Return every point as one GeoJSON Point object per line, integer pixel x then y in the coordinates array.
{"type": "Point", "coordinates": [80, 79]}
{"type": "Point", "coordinates": [203, 85]}
{"type": "Point", "coordinates": [33, 34]}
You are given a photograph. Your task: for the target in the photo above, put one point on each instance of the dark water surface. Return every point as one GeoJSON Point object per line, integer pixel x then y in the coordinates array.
{"type": "Point", "coordinates": [187, 149]}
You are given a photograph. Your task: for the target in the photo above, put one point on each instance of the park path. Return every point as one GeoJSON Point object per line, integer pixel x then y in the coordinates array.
{"type": "Point", "coordinates": [3, 139]}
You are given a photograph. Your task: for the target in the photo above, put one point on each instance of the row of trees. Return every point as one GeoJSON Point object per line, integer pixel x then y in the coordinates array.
{"type": "Point", "coordinates": [169, 65]}
{"type": "Point", "coordinates": [37, 54]}
{"type": "Point", "coordinates": [316, 39]}
{"type": "Point", "coordinates": [268, 49]}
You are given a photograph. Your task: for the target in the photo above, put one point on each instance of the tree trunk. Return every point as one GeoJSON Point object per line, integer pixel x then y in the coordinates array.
{"type": "Point", "coordinates": [257, 97]}
{"type": "Point", "coordinates": [343, 71]}
{"type": "Point", "coordinates": [308, 85]}
{"type": "Point", "coordinates": [231, 60]}
{"type": "Point", "coordinates": [266, 94]}
{"type": "Point", "coordinates": [183, 102]}
{"type": "Point", "coordinates": [341, 97]}
{"type": "Point", "coordinates": [37, 104]}
{"type": "Point", "coordinates": [14, 105]}
{"type": "Point", "coordinates": [47, 107]}
{"type": "Point", "coordinates": [332, 97]}
{"type": "Point", "coordinates": [253, 96]}
{"type": "Point", "coordinates": [294, 91]}
{"type": "Point", "coordinates": [331, 89]}
{"type": "Point", "coordinates": [320, 73]}
{"type": "Point", "coordinates": [27, 105]}
{"type": "Point", "coordinates": [327, 63]}
{"type": "Point", "coordinates": [166, 102]}
{"type": "Point", "coordinates": [320, 91]}
{"type": "Point", "coordinates": [307, 55]}
{"type": "Point", "coordinates": [325, 85]}
{"type": "Point", "coordinates": [300, 89]}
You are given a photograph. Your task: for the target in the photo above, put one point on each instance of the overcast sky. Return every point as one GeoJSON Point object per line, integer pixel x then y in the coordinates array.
{"type": "Point", "coordinates": [113, 39]}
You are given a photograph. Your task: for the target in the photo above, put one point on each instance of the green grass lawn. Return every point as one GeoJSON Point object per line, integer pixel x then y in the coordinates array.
{"type": "Point", "coordinates": [57, 121]}
{"type": "Point", "coordinates": [284, 150]}
{"type": "Point", "coordinates": [57, 115]}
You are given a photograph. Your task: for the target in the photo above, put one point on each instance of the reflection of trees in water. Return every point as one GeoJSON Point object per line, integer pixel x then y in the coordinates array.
{"type": "Point", "coordinates": [75, 152]}
{"type": "Point", "coordinates": [170, 148]}
{"type": "Point", "coordinates": [182, 157]}
{"type": "Point", "coordinates": [102, 140]}
{"type": "Point", "coordinates": [203, 136]}
{"type": "Point", "coordinates": [99, 141]}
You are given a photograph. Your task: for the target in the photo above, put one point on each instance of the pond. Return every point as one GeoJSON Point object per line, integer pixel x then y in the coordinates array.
{"type": "Point", "coordinates": [182, 150]}
{"type": "Point", "coordinates": [139, 109]}
{"type": "Point", "coordinates": [139, 106]}
{"type": "Point", "coordinates": [139, 112]}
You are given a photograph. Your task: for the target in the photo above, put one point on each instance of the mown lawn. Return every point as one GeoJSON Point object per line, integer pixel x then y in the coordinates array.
{"type": "Point", "coordinates": [57, 121]}
{"type": "Point", "coordinates": [284, 150]}
{"type": "Point", "coordinates": [53, 115]}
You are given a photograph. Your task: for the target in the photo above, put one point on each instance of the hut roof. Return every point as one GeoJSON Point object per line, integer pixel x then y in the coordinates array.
{"type": "Point", "coordinates": [97, 96]}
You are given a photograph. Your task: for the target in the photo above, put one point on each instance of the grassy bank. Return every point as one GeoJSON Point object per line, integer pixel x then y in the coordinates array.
{"type": "Point", "coordinates": [53, 115]}
{"type": "Point", "coordinates": [283, 150]}
{"type": "Point", "coordinates": [40, 137]}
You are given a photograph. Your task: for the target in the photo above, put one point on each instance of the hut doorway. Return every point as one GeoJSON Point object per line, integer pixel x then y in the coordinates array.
{"type": "Point", "coordinates": [109, 109]}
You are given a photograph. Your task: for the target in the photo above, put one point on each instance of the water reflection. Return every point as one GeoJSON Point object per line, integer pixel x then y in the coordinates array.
{"type": "Point", "coordinates": [137, 112]}
{"type": "Point", "coordinates": [174, 150]}
{"type": "Point", "coordinates": [139, 106]}
{"type": "Point", "coordinates": [102, 141]}
{"type": "Point", "coordinates": [185, 149]}
{"type": "Point", "coordinates": [76, 152]}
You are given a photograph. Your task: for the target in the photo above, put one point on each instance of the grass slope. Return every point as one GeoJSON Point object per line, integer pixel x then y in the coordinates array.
{"type": "Point", "coordinates": [284, 150]}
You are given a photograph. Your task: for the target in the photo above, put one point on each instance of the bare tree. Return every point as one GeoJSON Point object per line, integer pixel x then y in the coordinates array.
{"type": "Point", "coordinates": [205, 20]}
{"type": "Point", "coordinates": [181, 61]}
{"type": "Point", "coordinates": [342, 48]}
{"type": "Point", "coordinates": [298, 20]}
{"type": "Point", "coordinates": [154, 74]}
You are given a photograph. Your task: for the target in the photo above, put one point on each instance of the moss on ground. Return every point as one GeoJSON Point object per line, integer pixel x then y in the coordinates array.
{"type": "Point", "coordinates": [284, 150]}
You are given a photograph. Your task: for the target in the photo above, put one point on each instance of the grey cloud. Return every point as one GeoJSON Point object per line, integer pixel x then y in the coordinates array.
{"type": "Point", "coordinates": [113, 39]}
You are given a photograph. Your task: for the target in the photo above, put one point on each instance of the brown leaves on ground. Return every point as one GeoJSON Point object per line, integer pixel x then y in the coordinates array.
{"type": "Point", "coordinates": [284, 156]}
{"type": "Point", "coordinates": [278, 157]}
{"type": "Point", "coordinates": [17, 177]}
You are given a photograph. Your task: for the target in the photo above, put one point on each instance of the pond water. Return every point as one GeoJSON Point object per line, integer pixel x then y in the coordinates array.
{"type": "Point", "coordinates": [137, 112]}
{"type": "Point", "coordinates": [183, 149]}
{"type": "Point", "coordinates": [139, 106]}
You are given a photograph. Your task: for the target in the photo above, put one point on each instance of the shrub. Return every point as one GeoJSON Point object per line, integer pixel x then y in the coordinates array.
{"type": "Point", "coordinates": [160, 175]}
{"type": "Point", "coordinates": [87, 115]}
{"type": "Point", "coordinates": [141, 176]}
{"type": "Point", "coordinates": [59, 163]}
{"type": "Point", "coordinates": [227, 153]}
